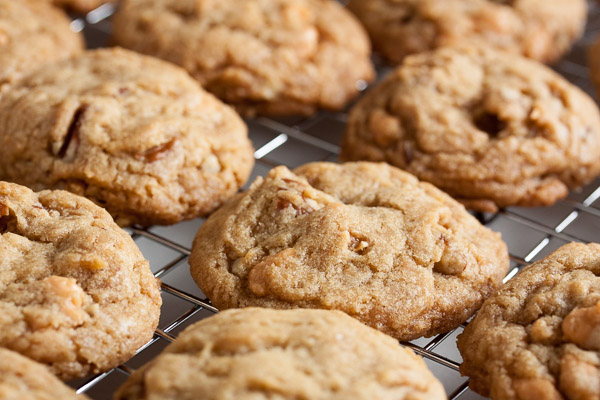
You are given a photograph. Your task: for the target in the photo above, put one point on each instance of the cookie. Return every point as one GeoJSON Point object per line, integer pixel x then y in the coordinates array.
{"type": "Point", "coordinates": [539, 29]}
{"type": "Point", "coordinates": [364, 238]}
{"type": "Point", "coordinates": [489, 128]}
{"type": "Point", "coordinates": [136, 135]}
{"type": "Point", "coordinates": [538, 337]}
{"type": "Point", "coordinates": [260, 354]}
{"type": "Point", "coordinates": [32, 34]}
{"type": "Point", "coordinates": [23, 379]}
{"type": "Point", "coordinates": [76, 293]}
{"type": "Point", "coordinates": [594, 64]}
{"type": "Point", "coordinates": [81, 6]}
{"type": "Point", "coordinates": [273, 57]}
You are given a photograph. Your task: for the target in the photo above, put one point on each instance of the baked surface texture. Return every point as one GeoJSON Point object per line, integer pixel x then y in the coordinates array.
{"type": "Point", "coordinates": [363, 238]}
{"type": "Point", "coordinates": [540, 29]}
{"type": "Point", "coordinates": [136, 135]}
{"type": "Point", "coordinates": [76, 293]}
{"type": "Point", "coordinates": [260, 354]}
{"type": "Point", "coordinates": [273, 57]}
{"type": "Point", "coordinates": [538, 337]}
{"type": "Point", "coordinates": [32, 34]}
{"type": "Point", "coordinates": [489, 128]}
{"type": "Point", "coordinates": [23, 379]}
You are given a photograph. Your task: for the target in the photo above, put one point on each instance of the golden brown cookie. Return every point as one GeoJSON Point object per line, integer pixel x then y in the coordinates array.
{"type": "Point", "coordinates": [32, 34]}
{"type": "Point", "coordinates": [134, 134]}
{"type": "Point", "coordinates": [262, 56]}
{"type": "Point", "coordinates": [23, 379]}
{"type": "Point", "coordinates": [76, 293]}
{"type": "Point", "coordinates": [262, 354]}
{"type": "Point", "coordinates": [489, 128]}
{"type": "Point", "coordinates": [363, 238]}
{"type": "Point", "coordinates": [538, 337]}
{"type": "Point", "coordinates": [540, 29]}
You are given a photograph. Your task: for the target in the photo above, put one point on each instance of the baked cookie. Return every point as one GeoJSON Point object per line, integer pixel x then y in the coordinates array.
{"type": "Point", "coordinates": [23, 379]}
{"type": "Point", "coordinates": [540, 29]}
{"type": "Point", "coordinates": [538, 337]}
{"type": "Point", "coordinates": [32, 34]}
{"type": "Point", "coordinates": [262, 56]}
{"type": "Point", "coordinates": [76, 294]}
{"type": "Point", "coordinates": [82, 5]}
{"type": "Point", "coordinates": [363, 238]}
{"type": "Point", "coordinates": [594, 64]}
{"type": "Point", "coordinates": [259, 354]}
{"type": "Point", "coordinates": [136, 135]}
{"type": "Point", "coordinates": [489, 128]}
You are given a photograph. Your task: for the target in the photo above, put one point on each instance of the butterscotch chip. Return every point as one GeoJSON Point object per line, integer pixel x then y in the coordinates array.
{"type": "Point", "coordinates": [32, 34]}
{"type": "Point", "coordinates": [23, 379]}
{"type": "Point", "coordinates": [136, 135]}
{"type": "Point", "coordinates": [489, 128]}
{"type": "Point", "coordinates": [363, 238]}
{"type": "Point", "coordinates": [262, 56]}
{"type": "Point", "coordinates": [538, 337]}
{"type": "Point", "coordinates": [76, 294]}
{"type": "Point", "coordinates": [264, 354]}
{"type": "Point", "coordinates": [539, 29]}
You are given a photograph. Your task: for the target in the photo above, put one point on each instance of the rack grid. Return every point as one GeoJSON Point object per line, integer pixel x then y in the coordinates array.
{"type": "Point", "coordinates": [530, 233]}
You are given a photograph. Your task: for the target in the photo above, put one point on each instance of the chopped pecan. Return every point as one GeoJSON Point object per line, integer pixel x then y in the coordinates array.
{"type": "Point", "coordinates": [155, 153]}
{"type": "Point", "coordinates": [70, 144]}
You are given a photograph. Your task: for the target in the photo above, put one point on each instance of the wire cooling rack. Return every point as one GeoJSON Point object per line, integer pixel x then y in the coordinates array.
{"type": "Point", "coordinates": [531, 233]}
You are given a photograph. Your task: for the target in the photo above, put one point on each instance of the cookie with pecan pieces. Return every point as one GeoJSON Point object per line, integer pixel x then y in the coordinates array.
{"type": "Point", "coordinates": [364, 238]}
{"type": "Point", "coordinates": [538, 337]}
{"type": "Point", "coordinates": [492, 129]}
{"type": "Point", "coordinates": [134, 134]}
{"type": "Point", "coordinates": [76, 294]}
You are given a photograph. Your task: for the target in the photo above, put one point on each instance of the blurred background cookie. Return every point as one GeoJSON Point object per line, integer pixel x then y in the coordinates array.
{"type": "Point", "coordinates": [490, 128]}
{"type": "Point", "coordinates": [33, 33]}
{"type": "Point", "coordinates": [275, 57]}
{"type": "Point", "coordinates": [261, 354]}
{"type": "Point", "coordinates": [540, 29]}
{"type": "Point", "coordinates": [136, 135]}
{"type": "Point", "coordinates": [23, 379]}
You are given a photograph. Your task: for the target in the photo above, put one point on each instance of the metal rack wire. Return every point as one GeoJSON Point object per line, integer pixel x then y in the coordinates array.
{"type": "Point", "coordinates": [530, 233]}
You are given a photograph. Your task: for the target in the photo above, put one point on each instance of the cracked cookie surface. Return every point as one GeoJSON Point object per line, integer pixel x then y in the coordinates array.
{"type": "Point", "coordinates": [364, 238]}
{"type": "Point", "coordinates": [262, 56]}
{"type": "Point", "coordinates": [76, 293]}
{"type": "Point", "coordinates": [33, 34]}
{"type": "Point", "coordinates": [538, 337]}
{"type": "Point", "coordinates": [264, 354]}
{"type": "Point", "coordinates": [489, 128]}
{"type": "Point", "coordinates": [24, 379]}
{"type": "Point", "coordinates": [540, 29]}
{"type": "Point", "coordinates": [136, 135]}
